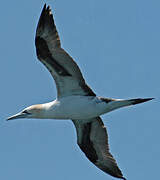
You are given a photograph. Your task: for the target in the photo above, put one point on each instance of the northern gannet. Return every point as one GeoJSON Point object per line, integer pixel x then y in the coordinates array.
{"type": "Point", "coordinates": [75, 99]}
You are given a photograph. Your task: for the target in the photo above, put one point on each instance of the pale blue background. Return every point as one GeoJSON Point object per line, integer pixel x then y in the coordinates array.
{"type": "Point", "coordinates": [116, 43]}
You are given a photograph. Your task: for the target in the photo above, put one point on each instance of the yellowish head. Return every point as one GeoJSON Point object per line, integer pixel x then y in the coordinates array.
{"type": "Point", "coordinates": [34, 111]}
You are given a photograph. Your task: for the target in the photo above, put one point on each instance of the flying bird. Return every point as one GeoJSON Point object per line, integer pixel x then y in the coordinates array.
{"type": "Point", "coordinates": [75, 99]}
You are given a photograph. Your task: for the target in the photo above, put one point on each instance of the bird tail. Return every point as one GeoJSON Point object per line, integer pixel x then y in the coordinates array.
{"type": "Point", "coordinates": [138, 101]}
{"type": "Point", "coordinates": [118, 103]}
{"type": "Point", "coordinates": [129, 102]}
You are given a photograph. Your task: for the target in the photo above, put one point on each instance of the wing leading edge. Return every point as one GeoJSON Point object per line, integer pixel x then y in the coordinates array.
{"type": "Point", "coordinates": [92, 138]}
{"type": "Point", "coordinates": [64, 70]}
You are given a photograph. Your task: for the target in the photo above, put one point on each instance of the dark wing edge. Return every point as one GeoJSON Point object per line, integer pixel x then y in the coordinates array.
{"type": "Point", "coordinates": [62, 67]}
{"type": "Point", "coordinates": [46, 24]}
{"type": "Point", "coordinates": [92, 139]}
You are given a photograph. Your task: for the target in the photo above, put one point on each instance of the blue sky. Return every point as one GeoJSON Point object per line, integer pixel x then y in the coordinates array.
{"type": "Point", "coordinates": [116, 44]}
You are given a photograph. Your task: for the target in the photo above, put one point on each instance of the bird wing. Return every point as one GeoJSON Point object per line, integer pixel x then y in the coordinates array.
{"type": "Point", "coordinates": [92, 138]}
{"type": "Point", "coordinates": [64, 70]}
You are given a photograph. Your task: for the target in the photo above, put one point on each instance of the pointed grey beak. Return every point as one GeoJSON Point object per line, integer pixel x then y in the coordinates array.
{"type": "Point", "coordinates": [17, 116]}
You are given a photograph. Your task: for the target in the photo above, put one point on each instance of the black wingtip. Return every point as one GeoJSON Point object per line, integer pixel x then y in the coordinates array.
{"type": "Point", "coordinates": [48, 8]}
{"type": "Point", "coordinates": [44, 7]}
{"type": "Point", "coordinates": [43, 11]}
{"type": "Point", "coordinates": [140, 100]}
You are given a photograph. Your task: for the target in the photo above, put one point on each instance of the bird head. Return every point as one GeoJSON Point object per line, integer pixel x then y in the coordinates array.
{"type": "Point", "coordinates": [34, 111]}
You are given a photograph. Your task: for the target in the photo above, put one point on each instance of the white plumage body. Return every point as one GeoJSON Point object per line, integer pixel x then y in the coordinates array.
{"type": "Point", "coordinates": [75, 107]}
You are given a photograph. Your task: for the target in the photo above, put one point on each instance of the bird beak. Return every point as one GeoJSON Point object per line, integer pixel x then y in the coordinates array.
{"type": "Point", "coordinates": [17, 116]}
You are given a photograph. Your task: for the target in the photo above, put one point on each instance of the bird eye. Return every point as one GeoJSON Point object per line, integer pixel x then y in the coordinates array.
{"type": "Point", "coordinates": [26, 112]}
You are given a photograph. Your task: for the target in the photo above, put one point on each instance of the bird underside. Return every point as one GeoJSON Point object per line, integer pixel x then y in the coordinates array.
{"type": "Point", "coordinates": [75, 99]}
{"type": "Point", "coordinates": [92, 139]}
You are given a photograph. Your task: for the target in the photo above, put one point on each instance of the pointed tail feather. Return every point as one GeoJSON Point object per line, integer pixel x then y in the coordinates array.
{"type": "Point", "coordinates": [118, 103]}
{"type": "Point", "coordinates": [139, 100]}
